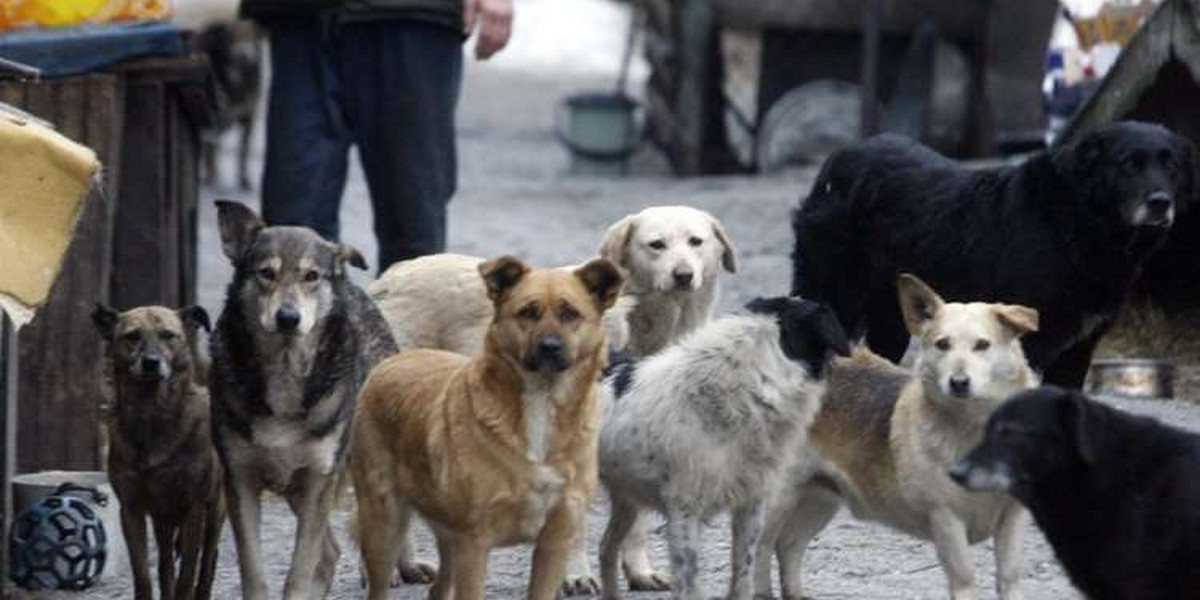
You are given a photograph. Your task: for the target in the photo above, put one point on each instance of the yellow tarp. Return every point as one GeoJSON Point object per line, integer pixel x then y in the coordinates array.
{"type": "Point", "coordinates": [44, 180]}
{"type": "Point", "coordinates": [66, 13]}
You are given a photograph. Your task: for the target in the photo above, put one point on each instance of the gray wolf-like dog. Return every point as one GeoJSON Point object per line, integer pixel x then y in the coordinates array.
{"type": "Point", "coordinates": [710, 424]}
{"type": "Point", "coordinates": [291, 349]}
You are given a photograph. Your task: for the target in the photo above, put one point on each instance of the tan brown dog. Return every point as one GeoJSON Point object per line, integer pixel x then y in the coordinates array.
{"type": "Point", "coordinates": [161, 459]}
{"type": "Point", "coordinates": [492, 451]}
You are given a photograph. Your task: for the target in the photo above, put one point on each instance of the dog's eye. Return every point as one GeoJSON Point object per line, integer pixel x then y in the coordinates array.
{"type": "Point", "coordinates": [312, 276]}
{"type": "Point", "coordinates": [982, 345]}
{"type": "Point", "coordinates": [529, 312]}
{"type": "Point", "coordinates": [267, 273]}
{"type": "Point", "coordinates": [695, 241]}
{"type": "Point", "coordinates": [568, 314]}
{"type": "Point", "coordinates": [166, 335]}
{"type": "Point", "coordinates": [132, 337]}
{"type": "Point", "coordinates": [942, 344]}
{"type": "Point", "coordinates": [658, 245]}
{"type": "Point", "coordinates": [1135, 162]}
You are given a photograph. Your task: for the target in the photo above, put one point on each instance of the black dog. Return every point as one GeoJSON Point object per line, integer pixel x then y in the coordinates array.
{"type": "Point", "coordinates": [1118, 496]}
{"type": "Point", "coordinates": [1066, 233]}
{"type": "Point", "coordinates": [235, 52]}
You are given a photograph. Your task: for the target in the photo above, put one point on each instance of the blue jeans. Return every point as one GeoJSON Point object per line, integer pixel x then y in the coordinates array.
{"type": "Point", "coordinates": [389, 87]}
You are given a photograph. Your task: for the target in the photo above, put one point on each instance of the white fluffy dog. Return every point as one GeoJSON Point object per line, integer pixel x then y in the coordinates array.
{"type": "Point", "coordinates": [711, 424]}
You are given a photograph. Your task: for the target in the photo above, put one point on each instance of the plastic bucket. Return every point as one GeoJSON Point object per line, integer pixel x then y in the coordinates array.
{"type": "Point", "coordinates": [600, 132]}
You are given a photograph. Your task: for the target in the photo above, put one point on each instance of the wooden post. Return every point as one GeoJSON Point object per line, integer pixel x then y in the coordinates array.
{"type": "Point", "coordinates": [8, 425]}
{"type": "Point", "coordinates": [697, 34]}
{"type": "Point", "coordinates": [869, 80]}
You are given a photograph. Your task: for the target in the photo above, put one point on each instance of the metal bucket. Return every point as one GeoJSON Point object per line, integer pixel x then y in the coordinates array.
{"type": "Point", "coordinates": [600, 131]}
{"type": "Point", "coordinates": [1133, 378]}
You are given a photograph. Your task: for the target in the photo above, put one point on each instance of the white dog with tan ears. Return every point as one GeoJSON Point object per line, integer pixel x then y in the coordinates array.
{"type": "Point", "coordinates": [885, 439]}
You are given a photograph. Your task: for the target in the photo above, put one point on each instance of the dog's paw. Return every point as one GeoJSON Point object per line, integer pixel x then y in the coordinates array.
{"type": "Point", "coordinates": [416, 572]}
{"type": "Point", "coordinates": [650, 581]}
{"type": "Point", "coordinates": [581, 586]}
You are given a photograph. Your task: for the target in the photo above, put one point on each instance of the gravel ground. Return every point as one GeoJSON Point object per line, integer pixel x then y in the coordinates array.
{"type": "Point", "coordinates": [515, 198]}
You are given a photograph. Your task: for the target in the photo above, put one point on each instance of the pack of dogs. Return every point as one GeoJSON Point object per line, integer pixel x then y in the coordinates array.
{"type": "Point", "coordinates": [492, 399]}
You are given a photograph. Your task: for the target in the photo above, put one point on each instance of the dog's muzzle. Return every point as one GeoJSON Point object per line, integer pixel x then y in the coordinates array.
{"type": "Point", "coordinates": [549, 354]}
{"type": "Point", "coordinates": [1157, 210]}
{"type": "Point", "coordinates": [980, 478]}
{"type": "Point", "coordinates": [960, 386]}
{"type": "Point", "coordinates": [683, 278]}
{"type": "Point", "coordinates": [151, 367]}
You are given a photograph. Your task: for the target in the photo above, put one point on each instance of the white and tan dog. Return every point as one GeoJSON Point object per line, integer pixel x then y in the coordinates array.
{"type": "Point", "coordinates": [885, 439]}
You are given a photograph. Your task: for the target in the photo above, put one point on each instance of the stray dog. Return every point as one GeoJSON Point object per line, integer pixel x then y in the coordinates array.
{"type": "Point", "coordinates": [161, 458]}
{"type": "Point", "coordinates": [291, 349]}
{"type": "Point", "coordinates": [235, 52]}
{"type": "Point", "coordinates": [1118, 496]}
{"type": "Point", "coordinates": [709, 424]}
{"type": "Point", "coordinates": [670, 257]}
{"type": "Point", "coordinates": [1066, 233]}
{"type": "Point", "coordinates": [495, 450]}
{"type": "Point", "coordinates": [885, 438]}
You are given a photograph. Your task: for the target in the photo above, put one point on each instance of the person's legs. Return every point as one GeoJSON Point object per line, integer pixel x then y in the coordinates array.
{"type": "Point", "coordinates": [307, 142]}
{"type": "Point", "coordinates": [403, 80]}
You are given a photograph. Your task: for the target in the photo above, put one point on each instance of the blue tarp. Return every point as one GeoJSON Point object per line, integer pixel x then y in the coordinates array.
{"type": "Point", "coordinates": [77, 50]}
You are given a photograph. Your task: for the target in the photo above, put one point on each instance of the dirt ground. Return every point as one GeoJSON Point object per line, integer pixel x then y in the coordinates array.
{"type": "Point", "coordinates": [515, 198]}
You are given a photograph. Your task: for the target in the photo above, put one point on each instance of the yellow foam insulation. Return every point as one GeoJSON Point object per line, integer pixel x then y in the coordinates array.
{"type": "Point", "coordinates": [44, 180]}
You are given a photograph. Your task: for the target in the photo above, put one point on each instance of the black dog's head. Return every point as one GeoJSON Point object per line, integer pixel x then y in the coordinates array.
{"type": "Point", "coordinates": [809, 333]}
{"type": "Point", "coordinates": [1141, 173]}
{"type": "Point", "coordinates": [1037, 435]}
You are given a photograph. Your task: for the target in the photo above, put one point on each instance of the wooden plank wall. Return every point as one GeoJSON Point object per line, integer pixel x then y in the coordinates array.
{"type": "Point", "coordinates": [60, 353]}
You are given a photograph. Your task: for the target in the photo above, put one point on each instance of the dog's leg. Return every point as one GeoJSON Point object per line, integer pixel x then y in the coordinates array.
{"type": "Point", "coordinates": [622, 516]}
{"type": "Point", "coordinates": [950, 538]}
{"type": "Point", "coordinates": [164, 538]}
{"type": "Point", "coordinates": [748, 525]}
{"type": "Point", "coordinates": [214, 519]}
{"type": "Point", "coordinates": [638, 571]}
{"type": "Point", "coordinates": [247, 126]}
{"type": "Point", "coordinates": [312, 568]}
{"type": "Point", "coordinates": [379, 538]}
{"type": "Point", "coordinates": [555, 541]}
{"type": "Point", "coordinates": [579, 580]}
{"type": "Point", "coordinates": [814, 509]}
{"type": "Point", "coordinates": [191, 542]}
{"type": "Point", "coordinates": [133, 525]}
{"type": "Point", "coordinates": [683, 536]}
{"type": "Point", "coordinates": [443, 584]}
{"type": "Point", "coordinates": [408, 567]}
{"type": "Point", "coordinates": [242, 493]}
{"type": "Point", "coordinates": [1010, 534]}
{"type": "Point", "coordinates": [469, 564]}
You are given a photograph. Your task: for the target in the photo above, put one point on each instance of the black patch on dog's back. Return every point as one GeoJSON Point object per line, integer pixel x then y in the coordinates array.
{"type": "Point", "coordinates": [808, 332]}
{"type": "Point", "coordinates": [621, 368]}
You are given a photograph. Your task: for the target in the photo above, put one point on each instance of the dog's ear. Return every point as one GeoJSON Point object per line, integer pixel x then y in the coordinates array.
{"type": "Point", "coordinates": [1079, 416]}
{"type": "Point", "coordinates": [105, 319]}
{"type": "Point", "coordinates": [1018, 319]}
{"type": "Point", "coordinates": [729, 254]}
{"type": "Point", "coordinates": [239, 227]}
{"type": "Point", "coordinates": [195, 318]}
{"type": "Point", "coordinates": [830, 331]}
{"type": "Point", "coordinates": [602, 280]}
{"type": "Point", "coordinates": [616, 240]}
{"type": "Point", "coordinates": [500, 275]}
{"type": "Point", "coordinates": [350, 255]}
{"type": "Point", "coordinates": [1189, 187]}
{"type": "Point", "coordinates": [918, 302]}
{"type": "Point", "coordinates": [1078, 162]}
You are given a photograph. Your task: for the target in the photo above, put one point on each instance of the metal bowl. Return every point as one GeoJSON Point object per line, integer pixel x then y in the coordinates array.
{"type": "Point", "coordinates": [1133, 378]}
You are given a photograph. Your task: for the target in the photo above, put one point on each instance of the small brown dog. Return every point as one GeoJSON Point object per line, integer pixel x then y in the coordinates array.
{"type": "Point", "coordinates": [161, 458]}
{"type": "Point", "coordinates": [495, 450]}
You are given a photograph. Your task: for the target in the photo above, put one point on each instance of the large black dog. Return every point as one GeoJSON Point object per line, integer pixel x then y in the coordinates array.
{"type": "Point", "coordinates": [1066, 233]}
{"type": "Point", "coordinates": [1117, 496]}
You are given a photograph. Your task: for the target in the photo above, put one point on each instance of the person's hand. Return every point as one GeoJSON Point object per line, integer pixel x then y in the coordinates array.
{"type": "Point", "coordinates": [495, 24]}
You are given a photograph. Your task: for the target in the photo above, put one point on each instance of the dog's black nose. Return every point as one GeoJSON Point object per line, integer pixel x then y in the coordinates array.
{"type": "Point", "coordinates": [150, 364]}
{"type": "Point", "coordinates": [287, 318]}
{"type": "Point", "coordinates": [960, 385]}
{"type": "Point", "coordinates": [548, 346]}
{"type": "Point", "coordinates": [683, 277]}
{"type": "Point", "coordinates": [1158, 203]}
{"type": "Point", "coordinates": [551, 354]}
{"type": "Point", "coordinates": [958, 472]}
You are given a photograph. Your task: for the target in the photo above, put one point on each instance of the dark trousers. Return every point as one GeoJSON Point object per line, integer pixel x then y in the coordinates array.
{"type": "Point", "coordinates": [389, 87]}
